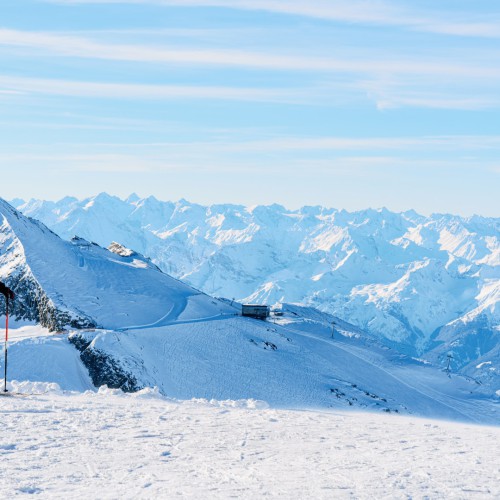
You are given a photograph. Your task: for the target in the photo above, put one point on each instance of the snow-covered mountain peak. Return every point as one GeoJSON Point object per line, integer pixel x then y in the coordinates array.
{"type": "Point", "coordinates": [132, 198]}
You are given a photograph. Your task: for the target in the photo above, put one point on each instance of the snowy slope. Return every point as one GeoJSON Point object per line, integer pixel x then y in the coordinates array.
{"type": "Point", "coordinates": [38, 356]}
{"type": "Point", "coordinates": [144, 446]}
{"type": "Point", "coordinates": [78, 283]}
{"type": "Point", "coordinates": [292, 362]}
{"type": "Point", "coordinates": [422, 283]}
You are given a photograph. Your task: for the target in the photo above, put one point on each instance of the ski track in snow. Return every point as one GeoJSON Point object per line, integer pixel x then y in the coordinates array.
{"type": "Point", "coordinates": [413, 386]}
{"type": "Point", "coordinates": [109, 446]}
{"type": "Point", "coordinates": [175, 310]}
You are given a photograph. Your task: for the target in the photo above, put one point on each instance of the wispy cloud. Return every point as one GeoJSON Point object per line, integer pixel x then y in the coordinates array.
{"type": "Point", "coordinates": [403, 91]}
{"type": "Point", "coordinates": [354, 11]}
{"type": "Point", "coordinates": [464, 143]}
{"type": "Point", "coordinates": [21, 85]}
{"type": "Point", "coordinates": [186, 161]}
{"type": "Point", "coordinates": [369, 144]}
{"type": "Point", "coordinates": [9, 92]}
{"type": "Point", "coordinates": [74, 46]}
{"type": "Point", "coordinates": [290, 144]}
{"type": "Point", "coordinates": [15, 87]}
{"type": "Point", "coordinates": [474, 29]}
{"type": "Point", "coordinates": [435, 101]}
{"type": "Point", "coordinates": [110, 162]}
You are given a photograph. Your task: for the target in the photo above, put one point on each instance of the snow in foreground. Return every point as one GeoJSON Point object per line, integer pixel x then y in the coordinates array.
{"type": "Point", "coordinates": [111, 445]}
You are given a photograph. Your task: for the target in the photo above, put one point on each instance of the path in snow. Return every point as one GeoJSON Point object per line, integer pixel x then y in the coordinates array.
{"type": "Point", "coordinates": [139, 446]}
{"type": "Point", "coordinates": [174, 312]}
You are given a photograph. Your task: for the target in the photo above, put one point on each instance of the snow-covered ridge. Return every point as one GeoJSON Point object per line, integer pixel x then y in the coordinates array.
{"type": "Point", "coordinates": [79, 284]}
{"type": "Point", "coordinates": [416, 281]}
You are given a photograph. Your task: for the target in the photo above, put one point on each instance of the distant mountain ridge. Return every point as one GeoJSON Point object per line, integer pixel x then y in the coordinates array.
{"type": "Point", "coordinates": [430, 285]}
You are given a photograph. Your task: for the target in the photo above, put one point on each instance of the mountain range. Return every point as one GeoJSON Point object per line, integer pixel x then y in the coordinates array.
{"type": "Point", "coordinates": [85, 316]}
{"type": "Point", "coordinates": [429, 286]}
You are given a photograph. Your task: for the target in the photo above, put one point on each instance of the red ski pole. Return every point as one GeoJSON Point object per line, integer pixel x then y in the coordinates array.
{"type": "Point", "coordinates": [6, 343]}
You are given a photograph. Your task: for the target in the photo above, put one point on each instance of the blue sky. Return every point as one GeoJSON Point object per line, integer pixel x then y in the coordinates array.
{"type": "Point", "coordinates": [348, 104]}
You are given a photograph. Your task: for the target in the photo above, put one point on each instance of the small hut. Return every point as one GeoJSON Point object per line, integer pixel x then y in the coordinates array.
{"type": "Point", "coordinates": [257, 311]}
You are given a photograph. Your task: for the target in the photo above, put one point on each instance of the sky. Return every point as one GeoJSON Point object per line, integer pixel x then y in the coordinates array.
{"type": "Point", "coordinates": [343, 103]}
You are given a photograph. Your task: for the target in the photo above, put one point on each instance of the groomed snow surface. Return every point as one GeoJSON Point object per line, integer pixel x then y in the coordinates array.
{"type": "Point", "coordinates": [110, 445]}
{"type": "Point", "coordinates": [293, 363]}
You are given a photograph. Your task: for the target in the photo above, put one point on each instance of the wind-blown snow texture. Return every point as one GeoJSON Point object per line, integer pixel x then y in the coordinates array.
{"type": "Point", "coordinates": [111, 446]}
{"type": "Point", "coordinates": [430, 285]}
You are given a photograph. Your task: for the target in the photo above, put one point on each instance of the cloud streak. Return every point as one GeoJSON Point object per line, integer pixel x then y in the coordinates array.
{"type": "Point", "coordinates": [147, 162]}
{"type": "Point", "coordinates": [465, 143]}
{"type": "Point", "coordinates": [73, 46]}
{"type": "Point", "coordinates": [354, 11]}
{"type": "Point", "coordinates": [453, 143]}
{"type": "Point", "coordinates": [27, 86]}
{"type": "Point", "coordinates": [16, 87]}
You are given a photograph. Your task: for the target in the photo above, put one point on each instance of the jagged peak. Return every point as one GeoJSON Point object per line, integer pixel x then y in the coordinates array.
{"type": "Point", "coordinates": [68, 199]}
{"type": "Point", "coordinates": [132, 198]}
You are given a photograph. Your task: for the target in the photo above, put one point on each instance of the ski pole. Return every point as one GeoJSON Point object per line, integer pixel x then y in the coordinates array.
{"type": "Point", "coordinates": [6, 342]}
